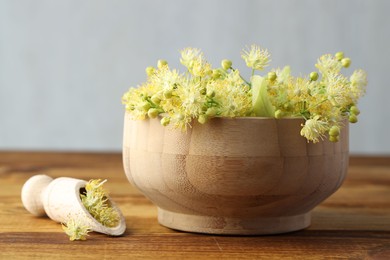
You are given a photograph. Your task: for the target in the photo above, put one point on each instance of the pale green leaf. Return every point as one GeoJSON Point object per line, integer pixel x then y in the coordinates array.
{"type": "Point", "coordinates": [261, 103]}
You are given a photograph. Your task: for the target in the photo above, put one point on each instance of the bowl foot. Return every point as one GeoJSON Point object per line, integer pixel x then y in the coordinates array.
{"type": "Point", "coordinates": [233, 226]}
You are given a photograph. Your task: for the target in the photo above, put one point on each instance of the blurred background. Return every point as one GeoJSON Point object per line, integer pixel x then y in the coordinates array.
{"type": "Point", "coordinates": [64, 65]}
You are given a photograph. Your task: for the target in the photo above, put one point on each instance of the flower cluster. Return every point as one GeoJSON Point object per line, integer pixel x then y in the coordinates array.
{"type": "Point", "coordinates": [75, 229]}
{"type": "Point", "coordinates": [95, 200]}
{"type": "Point", "coordinates": [201, 93]}
{"type": "Point", "coordinates": [323, 99]}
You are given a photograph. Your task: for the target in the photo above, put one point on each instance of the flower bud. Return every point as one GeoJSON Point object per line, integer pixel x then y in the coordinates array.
{"type": "Point", "coordinates": [278, 114]}
{"type": "Point", "coordinates": [202, 119]}
{"type": "Point", "coordinates": [165, 121]}
{"type": "Point", "coordinates": [216, 74]}
{"type": "Point", "coordinates": [339, 56]}
{"type": "Point", "coordinates": [313, 76]}
{"type": "Point", "coordinates": [161, 63]}
{"type": "Point", "coordinates": [352, 118]}
{"type": "Point", "coordinates": [333, 138]}
{"type": "Point", "coordinates": [168, 93]}
{"type": "Point", "coordinates": [354, 110]}
{"type": "Point", "coordinates": [272, 75]}
{"type": "Point", "coordinates": [145, 106]}
{"type": "Point", "coordinates": [346, 62]}
{"type": "Point", "coordinates": [153, 113]}
{"type": "Point", "coordinates": [334, 131]}
{"type": "Point", "coordinates": [211, 112]}
{"type": "Point", "coordinates": [155, 99]}
{"type": "Point", "coordinates": [149, 71]}
{"type": "Point", "coordinates": [226, 64]}
{"type": "Point", "coordinates": [209, 72]}
{"type": "Point", "coordinates": [210, 93]}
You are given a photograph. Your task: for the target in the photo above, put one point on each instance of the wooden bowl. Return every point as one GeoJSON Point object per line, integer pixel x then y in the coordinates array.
{"type": "Point", "coordinates": [242, 176]}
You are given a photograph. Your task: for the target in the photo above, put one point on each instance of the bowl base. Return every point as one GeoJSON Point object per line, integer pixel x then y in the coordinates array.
{"type": "Point", "coordinates": [233, 226]}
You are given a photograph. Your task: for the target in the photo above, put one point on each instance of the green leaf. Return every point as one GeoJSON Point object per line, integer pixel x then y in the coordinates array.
{"type": "Point", "coordinates": [260, 100]}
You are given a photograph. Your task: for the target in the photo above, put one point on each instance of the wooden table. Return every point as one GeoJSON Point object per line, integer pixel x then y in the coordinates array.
{"type": "Point", "coordinates": [354, 223]}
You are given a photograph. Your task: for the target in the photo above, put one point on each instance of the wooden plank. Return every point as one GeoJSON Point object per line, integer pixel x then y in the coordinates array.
{"type": "Point", "coordinates": [354, 223]}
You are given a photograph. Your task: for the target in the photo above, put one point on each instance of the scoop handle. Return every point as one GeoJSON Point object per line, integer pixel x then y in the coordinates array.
{"type": "Point", "coordinates": [32, 192]}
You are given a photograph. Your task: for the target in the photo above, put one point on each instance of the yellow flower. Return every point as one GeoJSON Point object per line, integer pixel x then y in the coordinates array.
{"type": "Point", "coordinates": [283, 75]}
{"type": "Point", "coordinates": [95, 200]}
{"type": "Point", "coordinates": [180, 120]}
{"type": "Point", "coordinates": [195, 62]}
{"type": "Point", "coordinates": [164, 79]}
{"type": "Point", "coordinates": [204, 92]}
{"type": "Point", "coordinates": [192, 97]}
{"type": "Point", "coordinates": [231, 96]}
{"type": "Point", "coordinates": [314, 129]}
{"type": "Point", "coordinates": [328, 64]}
{"type": "Point", "coordinates": [188, 56]}
{"type": "Point", "coordinates": [359, 77]}
{"type": "Point", "coordinates": [133, 99]}
{"type": "Point", "coordinates": [75, 229]}
{"type": "Point", "coordinates": [358, 84]}
{"type": "Point", "coordinates": [337, 90]}
{"type": "Point", "coordinates": [255, 57]}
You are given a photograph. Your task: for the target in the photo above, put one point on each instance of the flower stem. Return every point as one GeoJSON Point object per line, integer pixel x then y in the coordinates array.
{"type": "Point", "coordinates": [246, 82]}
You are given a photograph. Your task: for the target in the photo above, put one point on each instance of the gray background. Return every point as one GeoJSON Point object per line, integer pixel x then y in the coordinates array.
{"type": "Point", "coordinates": [64, 65]}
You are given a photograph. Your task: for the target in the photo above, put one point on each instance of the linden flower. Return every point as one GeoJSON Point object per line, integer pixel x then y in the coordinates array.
{"type": "Point", "coordinates": [235, 79]}
{"type": "Point", "coordinates": [134, 101]}
{"type": "Point", "coordinates": [282, 75]}
{"type": "Point", "coordinates": [328, 64]}
{"type": "Point", "coordinates": [255, 57]}
{"type": "Point", "coordinates": [337, 90]}
{"type": "Point", "coordinates": [201, 68]}
{"type": "Point", "coordinates": [195, 62]}
{"type": "Point", "coordinates": [188, 56]}
{"type": "Point", "coordinates": [180, 120]}
{"type": "Point", "coordinates": [358, 84]}
{"type": "Point", "coordinates": [237, 104]}
{"type": "Point", "coordinates": [314, 129]}
{"type": "Point", "coordinates": [75, 229]}
{"type": "Point", "coordinates": [324, 98]}
{"type": "Point", "coordinates": [359, 77]}
{"type": "Point", "coordinates": [164, 79]}
{"type": "Point", "coordinates": [232, 96]}
{"type": "Point", "coordinates": [95, 200]}
{"type": "Point", "coordinates": [192, 98]}
{"type": "Point", "coordinates": [299, 87]}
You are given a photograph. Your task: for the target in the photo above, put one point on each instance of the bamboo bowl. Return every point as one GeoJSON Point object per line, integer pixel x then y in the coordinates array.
{"type": "Point", "coordinates": [243, 176]}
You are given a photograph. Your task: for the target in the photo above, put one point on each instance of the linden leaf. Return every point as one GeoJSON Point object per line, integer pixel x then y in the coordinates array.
{"type": "Point", "coordinates": [261, 103]}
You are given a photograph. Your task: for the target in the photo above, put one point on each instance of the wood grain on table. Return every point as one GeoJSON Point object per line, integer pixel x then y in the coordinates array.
{"type": "Point", "coordinates": [354, 223]}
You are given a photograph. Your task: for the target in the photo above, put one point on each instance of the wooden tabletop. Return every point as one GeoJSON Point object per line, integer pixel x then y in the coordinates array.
{"type": "Point", "coordinates": [354, 223]}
